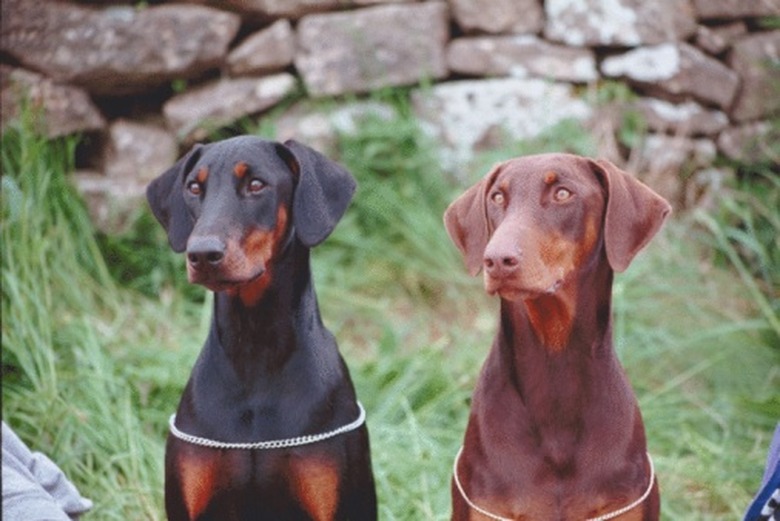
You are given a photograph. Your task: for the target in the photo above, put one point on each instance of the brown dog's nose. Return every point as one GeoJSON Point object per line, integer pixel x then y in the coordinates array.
{"type": "Point", "coordinates": [500, 262]}
{"type": "Point", "coordinates": [203, 251]}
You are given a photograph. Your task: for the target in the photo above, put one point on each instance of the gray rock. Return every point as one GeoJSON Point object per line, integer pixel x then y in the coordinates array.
{"type": "Point", "coordinates": [734, 9]}
{"type": "Point", "coordinates": [465, 116]}
{"type": "Point", "coordinates": [112, 203]}
{"type": "Point", "coordinates": [618, 22]}
{"type": "Point", "coordinates": [687, 119]}
{"type": "Point", "coordinates": [64, 109]}
{"type": "Point", "coordinates": [718, 39]}
{"type": "Point", "coordinates": [138, 150]}
{"type": "Point", "coordinates": [750, 143]}
{"type": "Point", "coordinates": [666, 160]}
{"type": "Point", "coordinates": [704, 186]}
{"type": "Point", "coordinates": [678, 69]}
{"type": "Point", "coordinates": [375, 2]}
{"type": "Point", "coordinates": [756, 58]}
{"type": "Point", "coordinates": [134, 153]}
{"type": "Point", "coordinates": [520, 56]}
{"type": "Point", "coordinates": [269, 50]}
{"type": "Point", "coordinates": [216, 104]}
{"type": "Point", "coordinates": [116, 50]}
{"type": "Point", "coordinates": [498, 16]}
{"type": "Point", "coordinates": [274, 9]}
{"type": "Point", "coordinates": [320, 128]}
{"type": "Point", "coordinates": [371, 48]}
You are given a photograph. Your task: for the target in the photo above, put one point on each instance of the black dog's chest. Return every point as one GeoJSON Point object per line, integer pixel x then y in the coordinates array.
{"type": "Point", "coordinates": [280, 484]}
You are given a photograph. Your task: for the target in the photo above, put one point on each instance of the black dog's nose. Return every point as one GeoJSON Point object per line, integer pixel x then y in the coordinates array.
{"type": "Point", "coordinates": [207, 250]}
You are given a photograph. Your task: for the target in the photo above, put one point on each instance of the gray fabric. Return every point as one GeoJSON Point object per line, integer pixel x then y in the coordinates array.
{"type": "Point", "coordinates": [34, 487]}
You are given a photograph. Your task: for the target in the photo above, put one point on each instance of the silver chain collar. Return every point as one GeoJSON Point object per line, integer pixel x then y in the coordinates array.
{"type": "Point", "coordinates": [271, 444]}
{"type": "Point", "coordinates": [605, 517]}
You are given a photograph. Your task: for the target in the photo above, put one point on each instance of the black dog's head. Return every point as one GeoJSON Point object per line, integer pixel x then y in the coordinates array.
{"type": "Point", "coordinates": [234, 205]}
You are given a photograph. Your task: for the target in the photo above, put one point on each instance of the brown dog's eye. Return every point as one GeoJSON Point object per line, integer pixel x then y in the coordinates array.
{"type": "Point", "coordinates": [195, 188]}
{"type": "Point", "coordinates": [562, 194]}
{"type": "Point", "coordinates": [256, 186]}
{"type": "Point", "coordinates": [498, 198]}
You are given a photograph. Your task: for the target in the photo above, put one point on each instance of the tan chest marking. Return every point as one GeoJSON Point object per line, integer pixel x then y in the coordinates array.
{"type": "Point", "coordinates": [316, 482]}
{"type": "Point", "coordinates": [199, 476]}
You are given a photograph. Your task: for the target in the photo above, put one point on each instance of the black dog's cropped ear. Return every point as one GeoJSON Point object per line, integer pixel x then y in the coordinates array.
{"type": "Point", "coordinates": [467, 223]}
{"type": "Point", "coordinates": [167, 200]}
{"type": "Point", "coordinates": [322, 194]}
{"type": "Point", "coordinates": [634, 214]}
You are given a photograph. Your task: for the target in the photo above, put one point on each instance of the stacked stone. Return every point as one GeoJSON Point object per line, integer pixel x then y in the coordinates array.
{"type": "Point", "coordinates": [148, 81]}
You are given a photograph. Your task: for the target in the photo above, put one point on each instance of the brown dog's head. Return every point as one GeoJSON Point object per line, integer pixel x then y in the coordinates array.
{"type": "Point", "coordinates": [532, 222]}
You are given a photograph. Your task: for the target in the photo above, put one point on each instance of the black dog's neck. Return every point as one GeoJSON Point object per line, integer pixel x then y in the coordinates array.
{"type": "Point", "coordinates": [259, 338]}
{"type": "Point", "coordinates": [266, 368]}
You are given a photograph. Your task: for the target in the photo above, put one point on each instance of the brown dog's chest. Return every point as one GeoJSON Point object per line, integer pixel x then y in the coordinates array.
{"type": "Point", "coordinates": [546, 448]}
{"type": "Point", "coordinates": [529, 486]}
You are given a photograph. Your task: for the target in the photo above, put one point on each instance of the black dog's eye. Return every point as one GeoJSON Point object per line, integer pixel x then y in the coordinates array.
{"type": "Point", "coordinates": [195, 188]}
{"type": "Point", "coordinates": [255, 186]}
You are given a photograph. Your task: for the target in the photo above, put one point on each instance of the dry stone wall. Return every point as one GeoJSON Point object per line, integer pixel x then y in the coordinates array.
{"type": "Point", "coordinates": [147, 81]}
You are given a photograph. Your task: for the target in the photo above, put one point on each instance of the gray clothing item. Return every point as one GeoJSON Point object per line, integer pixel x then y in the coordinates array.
{"type": "Point", "coordinates": [34, 487]}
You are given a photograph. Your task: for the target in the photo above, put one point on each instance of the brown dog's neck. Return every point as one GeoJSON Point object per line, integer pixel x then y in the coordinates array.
{"type": "Point", "coordinates": [572, 398]}
{"type": "Point", "coordinates": [553, 348]}
{"type": "Point", "coordinates": [556, 354]}
{"type": "Point", "coordinates": [552, 318]}
{"type": "Point", "coordinates": [577, 317]}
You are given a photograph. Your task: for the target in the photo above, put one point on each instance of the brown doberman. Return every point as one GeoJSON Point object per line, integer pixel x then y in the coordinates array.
{"type": "Point", "coordinates": [268, 427]}
{"type": "Point", "coordinates": [555, 432]}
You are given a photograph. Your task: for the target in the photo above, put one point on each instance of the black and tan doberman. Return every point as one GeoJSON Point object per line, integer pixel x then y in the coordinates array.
{"type": "Point", "coordinates": [268, 427]}
{"type": "Point", "coordinates": [555, 432]}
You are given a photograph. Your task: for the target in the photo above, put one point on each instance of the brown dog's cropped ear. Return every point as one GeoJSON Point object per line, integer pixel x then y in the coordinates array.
{"type": "Point", "coordinates": [322, 194]}
{"type": "Point", "coordinates": [167, 200]}
{"type": "Point", "coordinates": [634, 214]}
{"type": "Point", "coordinates": [467, 224]}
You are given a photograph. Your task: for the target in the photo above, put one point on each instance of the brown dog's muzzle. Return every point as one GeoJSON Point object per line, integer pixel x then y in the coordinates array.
{"type": "Point", "coordinates": [519, 262]}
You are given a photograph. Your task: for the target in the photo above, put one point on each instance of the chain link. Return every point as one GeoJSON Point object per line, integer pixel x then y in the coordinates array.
{"type": "Point", "coordinates": [270, 444]}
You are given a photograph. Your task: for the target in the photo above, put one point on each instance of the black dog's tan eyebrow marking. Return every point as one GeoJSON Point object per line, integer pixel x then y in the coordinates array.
{"type": "Point", "coordinates": [240, 169]}
{"type": "Point", "coordinates": [203, 174]}
{"type": "Point", "coordinates": [550, 177]}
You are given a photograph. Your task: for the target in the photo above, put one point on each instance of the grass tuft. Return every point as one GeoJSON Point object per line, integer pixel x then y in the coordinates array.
{"type": "Point", "coordinates": [392, 240]}
{"type": "Point", "coordinates": [61, 390]}
{"type": "Point", "coordinates": [744, 233]}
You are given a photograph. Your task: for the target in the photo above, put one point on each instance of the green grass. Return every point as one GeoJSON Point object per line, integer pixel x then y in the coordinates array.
{"type": "Point", "coordinates": [63, 387]}
{"type": "Point", "coordinates": [744, 234]}
{"type": "Point", "coordinates": [95, 353]}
